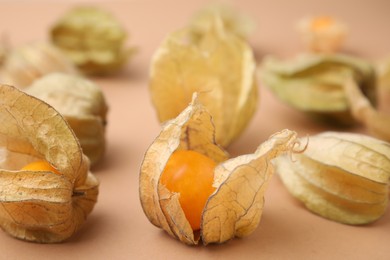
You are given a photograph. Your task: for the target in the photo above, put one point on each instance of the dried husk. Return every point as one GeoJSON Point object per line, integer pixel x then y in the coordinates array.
{"type": "Point", "coordinates": [327, 38]}
{"type": "Point", "coordinates": [343, 177]}
{"type": "Point", "coordinates": [20, 66]}
{"type": "Point", "coordinates": [41, 206]}
{"type": "Point", "coordinates": [82, 103]}
{"type": "Point", "coordinates": [232, 19]}
{"type": "Point", "coordinates": [314, 83]}
{"type": "Point", "coordinates": [217, 64]}
{"type": "Point", "coordinates": [93, 39]}
{"type": "Point", "coordinates": [377, 122]}
{"type": "Point", "coordinates": [235, 208]}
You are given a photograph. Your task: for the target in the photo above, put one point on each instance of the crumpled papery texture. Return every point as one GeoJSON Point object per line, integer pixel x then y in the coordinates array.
{"type": "Point", "coordinates": [93, 39]}
{"type": "Point", "coordinates": [82, 103]}
{"type": "Point", "coordinates": [344, 177]}
{"type": "Point", "coordinates": [315, 83]}
{"type": "Point", "coordinates": [22, 65]}
{"type": "Point", "coordinates": [218, 65]}
{"type": "Point", "coordinates": [235, 208]}
{"type": "Point", "coordinates": [41, 206]}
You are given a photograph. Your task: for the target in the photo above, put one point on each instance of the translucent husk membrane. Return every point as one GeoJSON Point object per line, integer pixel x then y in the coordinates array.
{"type": "Point", "coordinates": [216, 63]}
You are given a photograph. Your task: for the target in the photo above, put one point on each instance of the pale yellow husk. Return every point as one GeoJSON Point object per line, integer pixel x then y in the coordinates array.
{"type": "Point", "coordinates": [217, 64]}
{"type": "Point", "coordinates": [41, 206]}
{"type": "Point", "coordinates": [344, 177]}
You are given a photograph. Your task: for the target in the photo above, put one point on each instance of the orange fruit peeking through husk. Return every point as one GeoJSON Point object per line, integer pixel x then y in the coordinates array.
{"type": "Point", "coordinates": [191, 174]}
{"type": "Point", "coordinates": [47, 190]}
{"type": "Point", "coordinates": [40, 166]}
{"type": "Point", "coordinates": [235, 194]}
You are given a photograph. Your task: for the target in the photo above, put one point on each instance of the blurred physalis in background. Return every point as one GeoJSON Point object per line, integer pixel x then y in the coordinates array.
{"type": "Point", "coordinates": [316, 83]}
{"type": "Point", "coordinates": [322, 33]}
{"type": "Point", "coordinates": [93, 39]}
{"type": "Point", "coordinates": [21, 65]}
{"type": "Point", "coordinates": [232, 20]}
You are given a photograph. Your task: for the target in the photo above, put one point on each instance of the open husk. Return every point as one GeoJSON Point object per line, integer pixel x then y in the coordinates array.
{"type": "Point", "coordinates": [82, 103]}
{"type": "Point", "coordinates": [344, 177]}
{"type": "Point", "coordinates": [216, 63]}
{"type": "Point", "coordinates": [235, 208]}
{"type": "Point", "coordinates": [314, 83]}
{"type": "Point", "coordinates": [41, 206]}
{"type": "Point", "coordinates": [22, 65]}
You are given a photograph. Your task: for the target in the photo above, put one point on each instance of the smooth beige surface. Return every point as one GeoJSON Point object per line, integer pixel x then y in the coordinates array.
{"type": "Point", "coordinates": [117, 228]}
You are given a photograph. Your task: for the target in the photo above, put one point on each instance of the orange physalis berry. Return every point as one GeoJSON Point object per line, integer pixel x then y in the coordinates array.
{"type": "Point", "coordinates": [322, 22]}
{"type": "Point", "coordinates": [191, 174]}
{"type": "Point", "coordinates": [40, 166]}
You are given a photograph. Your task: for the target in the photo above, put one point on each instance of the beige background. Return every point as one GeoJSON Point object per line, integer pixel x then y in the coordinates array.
{"type": "Point", "coordinates": [117, 228]}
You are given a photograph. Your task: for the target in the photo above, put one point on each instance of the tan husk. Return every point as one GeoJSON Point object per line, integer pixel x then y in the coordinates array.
{"type": "Point", "coordinates": [191, 130]}
{"type": "Point", "coordinates": [235, 209]}
{"type": "Point", "coordinates": [22, 65]}
{"type": "Point", "coordinates": [341, 176]}
{"type": "Point", "coordinates": [41, 206]}
{"type": "Point", "coordinates": [240, 182]}
{"type": "Point", "coordinates": [81, 103]}
{"type": "Point", "coordinates": [186, 63]}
